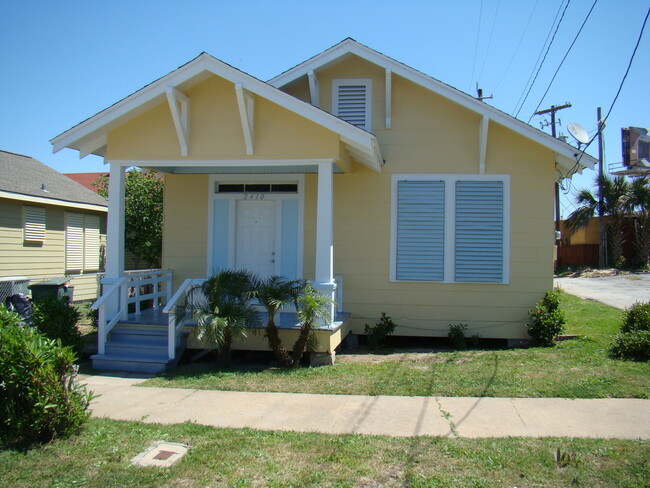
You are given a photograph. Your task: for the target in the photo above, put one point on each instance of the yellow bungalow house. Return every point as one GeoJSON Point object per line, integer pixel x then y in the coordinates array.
{"type": "Point", "coordinates": [392, 191]}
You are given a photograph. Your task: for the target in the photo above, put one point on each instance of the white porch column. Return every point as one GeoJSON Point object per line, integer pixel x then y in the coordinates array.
{"type": "Point", "coordinates": [324, 234]}
{"type": "Point", "coordinates": [114, 247]}
{"type": "Point", "coordinates": [115, 224]}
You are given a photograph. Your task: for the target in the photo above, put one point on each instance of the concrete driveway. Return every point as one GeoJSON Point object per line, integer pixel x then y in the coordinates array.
{"type": "Point", "coordinates": [620, 291]}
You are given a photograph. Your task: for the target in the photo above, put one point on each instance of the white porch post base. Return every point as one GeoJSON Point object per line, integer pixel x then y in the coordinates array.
{"type": "Point", "coordinates": [329, 291]}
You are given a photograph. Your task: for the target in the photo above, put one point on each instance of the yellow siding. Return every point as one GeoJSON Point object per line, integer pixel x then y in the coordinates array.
{"type": "Point", "coordinates": [41, 261]}
{"type": "Point", "coordinates": [185, 233]}
{"type": "Point", "coordinates": [430, 134]}
{"type": "Point", "coordinates": [327, 341]}
{"type": "Point", "coordinates": [216, 130]}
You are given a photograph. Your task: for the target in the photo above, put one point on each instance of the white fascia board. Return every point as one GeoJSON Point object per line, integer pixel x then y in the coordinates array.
{"type": "Point", "coordinates": [92, 145]}
{"type": "Point", "coordinates": [202, 63]}
{"type": "Point", "coordinates": [350, 46]}
{"type": "Point", "coordinates": [169, 163]}
{"type": "Point", "coordinates": [51, 201]}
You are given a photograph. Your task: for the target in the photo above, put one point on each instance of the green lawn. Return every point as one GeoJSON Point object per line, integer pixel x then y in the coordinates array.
{"type": "Point", "coordinates": [576, 368]}
{"type": "Point", "coordinates": [100, 457]}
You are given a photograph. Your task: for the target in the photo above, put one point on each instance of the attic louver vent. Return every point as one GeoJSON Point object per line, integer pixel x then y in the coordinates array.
{"type": "Point", "coordinates": [352, 101]}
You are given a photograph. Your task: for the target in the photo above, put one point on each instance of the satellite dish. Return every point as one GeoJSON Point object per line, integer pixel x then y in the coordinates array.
{"type": "Point", "coordinates": [579, 132]}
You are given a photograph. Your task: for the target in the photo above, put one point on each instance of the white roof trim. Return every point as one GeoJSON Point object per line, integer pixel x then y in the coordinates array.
{"type": "Point", "coordinates": [566, 154]}
{"type": "Point", "coordinates": [52, 201]}
{"type": "Point", "coordinates": [97, 125]}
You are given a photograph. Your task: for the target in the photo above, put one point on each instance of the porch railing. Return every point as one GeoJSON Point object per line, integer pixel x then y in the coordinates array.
{"type": "Point", "coordinates": [176, 319]}
{"type": "Point", "coordinates": [129, 291]}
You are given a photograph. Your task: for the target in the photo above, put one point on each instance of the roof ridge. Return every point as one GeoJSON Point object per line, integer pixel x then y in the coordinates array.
{"type": "Point", "coordinates": [16, 154]}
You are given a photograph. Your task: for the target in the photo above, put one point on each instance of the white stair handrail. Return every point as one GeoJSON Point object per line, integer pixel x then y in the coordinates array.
{"type": "Point", "coordinates": [177, 323]}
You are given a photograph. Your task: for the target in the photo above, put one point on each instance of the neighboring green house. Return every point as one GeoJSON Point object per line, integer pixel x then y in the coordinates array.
{"type": "Point", "coordinates": [50, 226]}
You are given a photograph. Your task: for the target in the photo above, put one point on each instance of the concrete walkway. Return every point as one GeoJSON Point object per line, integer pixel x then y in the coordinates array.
{"type": "Point", "coordinates": [122, 399]}
{"type": "Point", "coordinates": [620, 291]}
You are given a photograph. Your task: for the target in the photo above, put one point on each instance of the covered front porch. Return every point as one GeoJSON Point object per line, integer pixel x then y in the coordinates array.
{"type": "Point", "coordinates": [252, 221]}
{"type": "Point", "coordinates": [249, 173]}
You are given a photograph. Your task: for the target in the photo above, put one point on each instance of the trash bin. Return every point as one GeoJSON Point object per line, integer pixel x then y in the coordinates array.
{"type": "Point", "coordinates": [56, 287]}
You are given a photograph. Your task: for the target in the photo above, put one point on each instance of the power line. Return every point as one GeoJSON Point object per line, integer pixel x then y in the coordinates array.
{"type": "Point", "coordinates": [564, 58]}
{"type": "Point", "coordinates": [618, 92]}
{"type": "Point", "coordinates": [545, 54]}
{"type": "Point", "coordinates": [478, 33]}
{"type": "Point", "coordinates": [487, 51]}
{"type": "Point", "coordinates": [530, 17]}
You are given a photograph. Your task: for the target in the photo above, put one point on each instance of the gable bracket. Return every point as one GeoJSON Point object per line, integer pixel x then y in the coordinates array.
{"type": "Point", "coordinates": [313, 89]}
{"type": "Point", "coordinates": [482, 143]}
{"type": "Point", "coordinates": [389, 91]}
{"type": "Point", "coordinates": [179, 104]}
{"type": "Point", "coordinates": [246, 104]}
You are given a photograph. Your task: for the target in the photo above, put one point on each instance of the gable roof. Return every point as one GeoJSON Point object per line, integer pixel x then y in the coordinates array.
{"type": "Point", "coordinates": [90, 136]}
{"type": "Point", "coordinates": [566, 155]}
{"type": "Point", "coordinates": [25, 178]}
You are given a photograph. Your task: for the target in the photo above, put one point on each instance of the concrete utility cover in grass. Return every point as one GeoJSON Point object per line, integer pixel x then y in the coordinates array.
{"type": "Point", "coordinates": [161, 454]}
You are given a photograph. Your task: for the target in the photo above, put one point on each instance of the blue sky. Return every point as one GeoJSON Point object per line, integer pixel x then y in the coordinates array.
{"type": "Point", "coordinates": [64, 61]}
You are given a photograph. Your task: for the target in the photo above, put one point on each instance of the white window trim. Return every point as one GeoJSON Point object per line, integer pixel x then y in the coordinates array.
{"type": "Point", "coordinates": [337, 82]}
{"type": "Point", "coordinates": [299, 179]}
{"type": "Point", "coordinates": [450, 221]}
{"type": "Point", "coordinates": [34, 223]}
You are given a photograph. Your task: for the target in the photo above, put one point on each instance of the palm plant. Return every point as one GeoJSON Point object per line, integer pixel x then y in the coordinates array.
{"type": "Point", "coordinates": [310, 306]}
{"type": "Point", "coordinates": [273, 293]}
{"type": "Point", "coordinates": [222, 308]}
{"type": "Point", "coordinates": [640, 198]}
{"type": "Point", "coordinates": [616, 205]}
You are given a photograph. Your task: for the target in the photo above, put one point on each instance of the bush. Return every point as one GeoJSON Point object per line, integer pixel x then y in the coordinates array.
{"type": "Point", "coordinates": [457, 336]}
{"type": "Point", "coordinates": [633, 345]}
{"type": "Point", "coordinates": [377, 333]}
{"type": "Point", "coordinates": [546, 320]}
{"type": "Point", "coordinates": [38, 397]}
{"type": "Point", "coordinates": [637, 317]}
{"type": "Point", "coordinates": [633, 341]}
{"type": "Point", "coordinates": [57, 319]}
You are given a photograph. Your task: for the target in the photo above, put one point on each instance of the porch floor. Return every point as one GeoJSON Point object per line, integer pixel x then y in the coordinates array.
{"type": "Point", "coordinates": [285, 320]}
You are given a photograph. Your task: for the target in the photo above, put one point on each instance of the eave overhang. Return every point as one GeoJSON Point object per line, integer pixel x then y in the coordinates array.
{"type": "Point", "coordinates": [566, 156]}
{"type": "Point", "coordinates": [91, 135]}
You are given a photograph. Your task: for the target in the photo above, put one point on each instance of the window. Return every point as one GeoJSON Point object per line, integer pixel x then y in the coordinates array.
{"type": "Point", "coordinates": [351, 101]}
{"type": "Point", "coordinates": [34, 224]}
{"type": "Point", "coordinates": [81, 242]}
{"type": "Point", "coordinates": [450, 228]}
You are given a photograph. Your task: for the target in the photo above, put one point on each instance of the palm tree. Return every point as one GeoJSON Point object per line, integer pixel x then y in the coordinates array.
{"type": "Point", "coordinates": [273, 293]}
{"type": "Point", "coordinates": [640, 198]}
{"type": "Point", "coordinates": [616, 205]}
{"type": "Point", "coordinates": [223, 310]}
{"type": "Point", "coordinates": [310, 306]}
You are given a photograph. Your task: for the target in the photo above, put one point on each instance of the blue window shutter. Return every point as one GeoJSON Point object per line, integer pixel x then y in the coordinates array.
{"type": "Point", "coordinates": [220, 234]}
{"type": "Point", "coordinates": [420, 230]}
{"type": "Point", "coordinates": [479, 231]}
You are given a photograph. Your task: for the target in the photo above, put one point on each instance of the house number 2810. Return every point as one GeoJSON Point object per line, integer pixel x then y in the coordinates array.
{"type": "Point", "coordinates": [253, 196]}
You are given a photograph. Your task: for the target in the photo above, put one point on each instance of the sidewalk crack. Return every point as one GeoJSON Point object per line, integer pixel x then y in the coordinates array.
{"type": "Point", "coordinates": [448, 417]}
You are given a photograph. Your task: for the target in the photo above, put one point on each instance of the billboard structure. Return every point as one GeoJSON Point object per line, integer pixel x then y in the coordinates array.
{"type": "Point", "coordinates": [636, 152]}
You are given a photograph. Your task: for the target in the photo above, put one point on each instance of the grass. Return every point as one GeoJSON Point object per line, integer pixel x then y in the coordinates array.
{"type": "Point", "coordinates": [100, 457]}
{"type": "Point", "coordinates": [576, 368]}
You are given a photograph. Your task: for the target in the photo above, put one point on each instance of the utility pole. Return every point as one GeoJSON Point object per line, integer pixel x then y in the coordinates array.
{"type": "Point", "coordinates": [602, 256]}
{"type": "Point", "coordinates": [552, 111]}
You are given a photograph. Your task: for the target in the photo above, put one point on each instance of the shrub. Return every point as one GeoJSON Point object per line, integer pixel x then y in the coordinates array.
{"type": "Point", "coordinates": [38, 397]}
{"type": "Point", "coordinates": [637, 317]}
{"type": "Point", "coordinates": [633, 341]}
{"type": "Point", "coordinates": [546, 320]}
{"type": "Point", "coordinates": [57, 319]}
{"type": "Point", "coordinates": [377, 333]}
{"type": "Point", "coordinates": [457, 336]}
{"type": "Point", "coordinates": [633, 345]}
